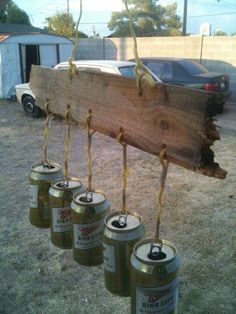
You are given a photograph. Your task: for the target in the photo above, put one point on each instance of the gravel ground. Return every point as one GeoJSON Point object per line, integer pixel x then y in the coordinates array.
{"type": "Point", "coordinates": [198, 217]}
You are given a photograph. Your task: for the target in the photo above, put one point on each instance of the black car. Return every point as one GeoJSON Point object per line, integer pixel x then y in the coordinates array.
{"type": "Point", "coordinates": [190, 73]}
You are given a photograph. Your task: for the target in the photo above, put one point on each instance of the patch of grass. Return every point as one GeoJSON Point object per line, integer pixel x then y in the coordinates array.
{"type": "Point", "coordinates": [198, 217]}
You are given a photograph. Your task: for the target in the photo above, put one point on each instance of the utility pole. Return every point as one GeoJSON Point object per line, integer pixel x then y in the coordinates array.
{"type": "Point", "coordinates": [185, 17]}
{"type": "Point", "coordinates": [68, 6]}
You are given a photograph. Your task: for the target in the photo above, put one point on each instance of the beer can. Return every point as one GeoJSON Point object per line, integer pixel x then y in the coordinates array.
{"type": "Point", "coordinates": [154, 278]}
{"type": "Point", "coordinates": [60, 198]}
{"type": "Point", "coordinates": [120, 234]}
{"type": "Point", "coordinates": [88, 213]}
{"type": "Point", "coordinates": [41, 177]}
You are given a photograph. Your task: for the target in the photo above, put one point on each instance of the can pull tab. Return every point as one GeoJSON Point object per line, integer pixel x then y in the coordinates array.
{"type": "Point", "coordinates": [46, 164]}
{"type": "Point", "coordinates": [89, 197]}
{"type": "Point", "coordinates": [65, 183]}
{"type": "Point", "coordinates": [155, 252]}
{"type": "Point", "coordinates": [121, 222]}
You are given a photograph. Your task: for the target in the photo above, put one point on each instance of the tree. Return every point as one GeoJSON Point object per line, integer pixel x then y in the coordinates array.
{"type": "Point", "coordinates": [150, 19]}
{"type": "Point", "coordinates": [12, 14]}
{"type": "Point", "coordinates": [3, 4]}
{"type": "Point", "coordinates": [62, 24]}
{"type": "Point", "coordinates": [220, 33]}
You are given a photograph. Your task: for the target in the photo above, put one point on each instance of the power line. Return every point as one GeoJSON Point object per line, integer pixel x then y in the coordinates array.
{"type": "Point", "coordinates": [231, 4]}
{"type": "Point", "coordinates": [216, 14]}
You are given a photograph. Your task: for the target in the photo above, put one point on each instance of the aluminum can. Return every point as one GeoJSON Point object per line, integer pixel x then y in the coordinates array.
{"type": "Point", "coordinates": [60, 198]}
{"type": "Point", "coordinates": [88, 212]}
{"type": "Point", "coordinates": [120, 234]}
{"type": "Point", "coordinates": [41, 177]}
{"type": "Point", "coordinates": [154, 278]}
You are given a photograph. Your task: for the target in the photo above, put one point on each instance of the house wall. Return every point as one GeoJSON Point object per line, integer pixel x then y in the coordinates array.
{"type": "Point", "coordinates": [217, 53]}
{"type": "Point", "coordinates": [10, 71]}
{"type": "Point", "coordinates": [65, 51]}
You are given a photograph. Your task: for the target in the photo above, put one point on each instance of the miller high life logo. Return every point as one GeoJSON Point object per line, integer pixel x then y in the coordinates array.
{"type": "Point", "coordinates": [154, 296]}
{"type": "Point", "coordinates": [63, 213]}
{"type": "Point", "coordinates": [85, 231]}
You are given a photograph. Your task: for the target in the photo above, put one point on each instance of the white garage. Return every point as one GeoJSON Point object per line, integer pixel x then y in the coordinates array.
{"type": "Point", "coordinates": [18, 51]}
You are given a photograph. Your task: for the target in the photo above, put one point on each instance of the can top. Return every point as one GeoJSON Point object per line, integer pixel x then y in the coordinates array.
{"type": "Point", "coordinates": [143, 249]}
{"type": "Point", "coordinates": [67, 184]}
{"type": "Point", "coordinates": [120, 222]}
{"type": "Point", "coordinates": [89, 198]}
{"type": "Point", "coordinates": [46, 168]}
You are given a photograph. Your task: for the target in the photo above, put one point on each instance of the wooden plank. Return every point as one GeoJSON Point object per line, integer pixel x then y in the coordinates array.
{"type": "Point", "coordinates": [164, 115]}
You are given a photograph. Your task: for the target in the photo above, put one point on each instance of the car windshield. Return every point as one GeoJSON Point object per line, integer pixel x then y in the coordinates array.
{"type": "Point", "coordinates": [127, 71]}
{"type": "Point", "coordinates": [192, 67]}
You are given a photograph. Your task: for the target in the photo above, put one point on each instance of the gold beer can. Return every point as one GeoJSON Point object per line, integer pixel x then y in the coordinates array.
{"type": "Point", "coordinates": [60, 198]}
{"type": "Point", "coordinates": [154, 278]}
{"type": "Point", "coordinates": [121, 232]}
{"type": "Point", "coordinates": [41, 177]}
{"type": "Point", "coordinates": [88, 213]}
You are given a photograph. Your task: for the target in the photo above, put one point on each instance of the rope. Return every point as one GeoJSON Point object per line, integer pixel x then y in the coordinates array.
{"type": "Point", "coordinates": [141, 73]}
{"type": "Point", "coordinates": [125, 170]}
{"type": "Point", "coordinates": [165, 165]}
{"type": "Point", "coordinates": [46, 131]}
{"type": "Point", "coordinates": [90, 135]}
{"type": "Point", "coordinates": [67, 143]}
{"type": "Point", "coordinates": [72, 67]}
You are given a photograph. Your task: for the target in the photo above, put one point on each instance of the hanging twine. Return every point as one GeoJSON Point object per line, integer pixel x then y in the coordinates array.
{"type": "Point", "coordinates": [141, 73]}
{"type": "Point", "coordinates": [125, 170]}
{"type": "Point", "coordinates": [90, 135]}
{"type": "Point", "coordinates": [67, 142]}
{"type": "Point", "coordinates": [165, 165]}
{"type": "Point", "coordinates": [46, 132]}
{"type": "Point", "coordinates": [72, 67]}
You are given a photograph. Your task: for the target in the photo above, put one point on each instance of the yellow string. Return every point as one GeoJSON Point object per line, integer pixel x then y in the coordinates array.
{"type": "Point", "coordinates": [46, 130]}
{"type": "Point", "coordinates": [90, 134]}
{"type": "Point", "coordinates": [72, 67]}
{"type": "Point", "coordinates": [165, 165]}
{"type": "Point", "coordinates": [141, 73]}
{"type": "Point", "coordinates": [125, 170]}
{"type": "Point", "coordinates": [67, 141]}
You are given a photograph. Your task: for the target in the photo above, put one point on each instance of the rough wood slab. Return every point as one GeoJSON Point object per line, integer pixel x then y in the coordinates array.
{"type": "Point", "coordinates": [164, 115]}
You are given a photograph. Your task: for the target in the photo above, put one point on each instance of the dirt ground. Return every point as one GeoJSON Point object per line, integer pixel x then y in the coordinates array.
{"type": "Point", "coordinates": [198, 217]}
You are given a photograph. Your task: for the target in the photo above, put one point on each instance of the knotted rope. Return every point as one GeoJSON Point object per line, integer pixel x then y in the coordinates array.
{"type": "Point", "coordinates": [165, 165]}
{"type": "Point", "coordinates": [125, 170]}
{"type": "Point", "coordinates": [90, 135]}
{"type": "Point", "coordinates": [46, 132]}
{"type": "Point", "coordinates": [67, 142]}
{"type": "Point", "coordinates": [72, 67]}
{"type": "Point", "coordinates": [141, 73]}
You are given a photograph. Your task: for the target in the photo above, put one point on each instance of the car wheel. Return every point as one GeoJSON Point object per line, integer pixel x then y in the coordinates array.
{"type": "Point", "coordinates": [30, 108]}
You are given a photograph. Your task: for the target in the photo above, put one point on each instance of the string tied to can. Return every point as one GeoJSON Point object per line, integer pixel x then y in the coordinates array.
{"type": "Point", "coordinates": [123, 213]}
{"type": "Point", "coordinates": [164, 163]}
{"type": "Point", "coordinates": [67, 144]}
{"type": "Point", "coordinates": [90, 135]}
{"type": "Point", "coordinates": [47, 122]}
{"type": "Point", "coordinates": [157, 242]}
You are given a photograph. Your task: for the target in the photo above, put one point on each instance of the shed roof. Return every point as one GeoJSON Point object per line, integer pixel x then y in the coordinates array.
{"type": "Point", "coordinates": [20, 28]}
{"type": "Point", "coordinates": [3, 37]}
{"type": "Point", "coordinates": [16, 32]}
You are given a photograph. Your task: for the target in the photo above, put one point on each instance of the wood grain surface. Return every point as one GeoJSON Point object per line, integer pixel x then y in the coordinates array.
{"type": "Point", "coordinates": [165, 115]}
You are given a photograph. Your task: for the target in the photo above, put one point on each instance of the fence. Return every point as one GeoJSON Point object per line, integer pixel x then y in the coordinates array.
{"type": "Point", "coordinates": [217, 53]}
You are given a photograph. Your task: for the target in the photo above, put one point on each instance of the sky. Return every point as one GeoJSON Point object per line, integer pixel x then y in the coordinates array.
{"type": "Point", "coordinates": [221, 14]}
